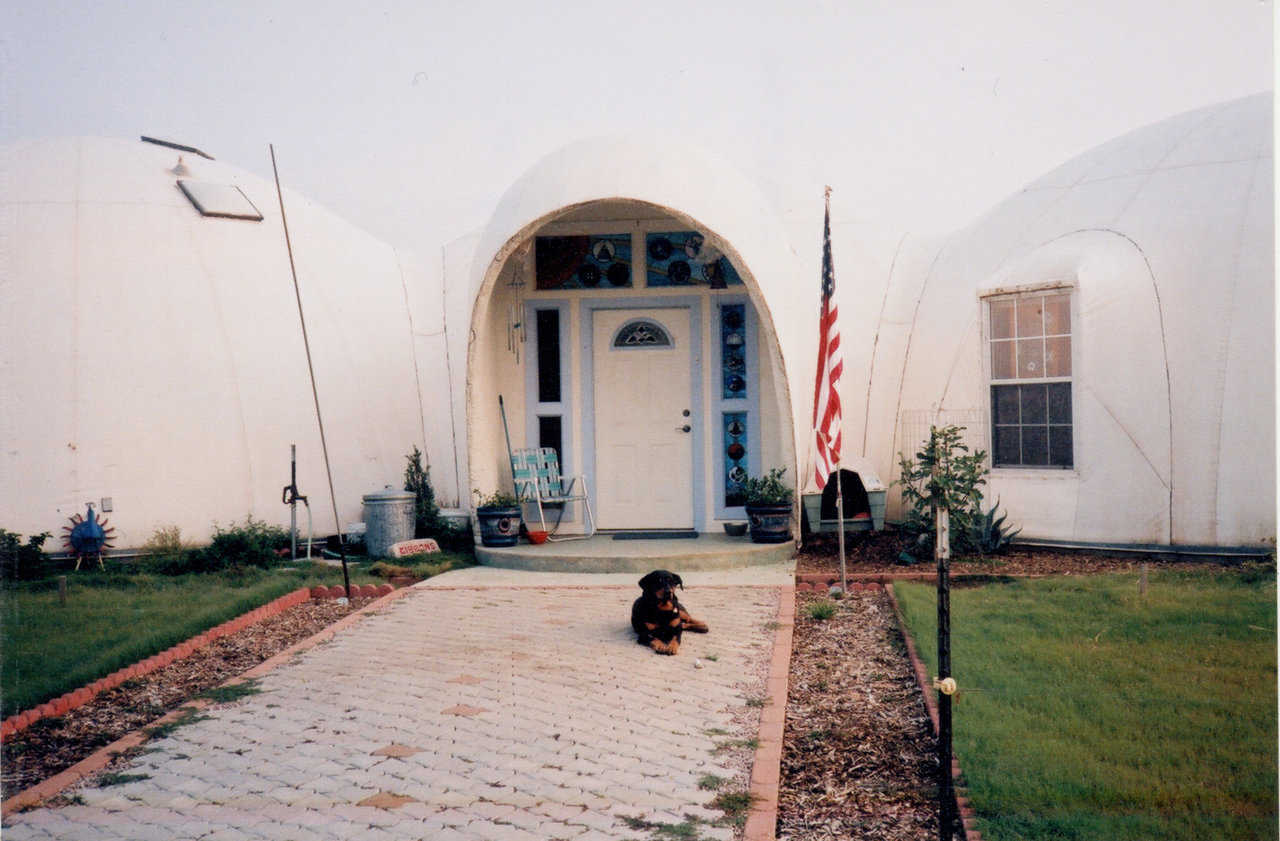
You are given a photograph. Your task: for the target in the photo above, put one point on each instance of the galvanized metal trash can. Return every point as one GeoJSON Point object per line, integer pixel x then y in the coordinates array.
{"type": "Point", "coordinates": [388, 519]}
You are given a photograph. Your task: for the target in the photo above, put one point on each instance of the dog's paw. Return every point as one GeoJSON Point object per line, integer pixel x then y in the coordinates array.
{"type": "Point", "coordinates": [696, 626]}
{"type": "Point", "coordinates": [664, 647]}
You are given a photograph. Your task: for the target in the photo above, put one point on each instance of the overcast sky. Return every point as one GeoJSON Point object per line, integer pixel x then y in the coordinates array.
{"type": "Point", "coordinates": [412, 118]}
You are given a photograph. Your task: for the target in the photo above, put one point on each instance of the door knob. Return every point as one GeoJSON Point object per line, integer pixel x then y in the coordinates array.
{"type": "Point", "coordinates": [684, 428]}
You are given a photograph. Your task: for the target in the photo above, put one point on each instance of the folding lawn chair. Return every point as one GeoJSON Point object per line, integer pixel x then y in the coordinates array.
{"type": "Point", "coordinates": [536, 472]}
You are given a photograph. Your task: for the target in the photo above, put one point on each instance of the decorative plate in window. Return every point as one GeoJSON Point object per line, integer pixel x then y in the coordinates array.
{"type": "Point", "coordinates": [642, 334]}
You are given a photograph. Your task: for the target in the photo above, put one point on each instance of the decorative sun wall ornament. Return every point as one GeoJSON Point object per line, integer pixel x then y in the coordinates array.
{"type": "Point", "coordinates": [88, 536]}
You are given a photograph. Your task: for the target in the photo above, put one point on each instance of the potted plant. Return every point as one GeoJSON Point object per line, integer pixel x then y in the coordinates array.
{"type": "Point", "coordinates": [498, 514]}
{"type": "Point", "coordinates": [769, 504]}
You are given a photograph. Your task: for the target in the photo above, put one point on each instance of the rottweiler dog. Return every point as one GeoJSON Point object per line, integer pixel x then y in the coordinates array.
{"type": "Point", "coordinates": [658, 617]}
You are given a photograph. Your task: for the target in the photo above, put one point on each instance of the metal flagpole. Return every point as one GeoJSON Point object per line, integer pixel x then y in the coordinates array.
{"type": "Point", "coordinates": [844, 579]}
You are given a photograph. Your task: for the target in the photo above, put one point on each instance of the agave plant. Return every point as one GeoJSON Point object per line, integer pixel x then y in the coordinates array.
{"type": "Point", "coordinates": [988, 534]}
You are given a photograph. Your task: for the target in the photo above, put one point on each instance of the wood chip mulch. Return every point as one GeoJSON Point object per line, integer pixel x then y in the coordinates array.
{"type": "Point", "coordinates": [877, 552]}
{"type": "Point", "coordinates": [858, 755]}
{"type": "Point", "coordinates": [51, 745]}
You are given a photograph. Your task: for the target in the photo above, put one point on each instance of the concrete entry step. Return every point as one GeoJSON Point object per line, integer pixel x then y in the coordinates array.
{"type": "Point", "coordinates": [601, 553]}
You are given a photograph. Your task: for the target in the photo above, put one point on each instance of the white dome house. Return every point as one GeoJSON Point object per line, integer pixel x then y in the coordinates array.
{"type": "Point", "coordinates": [1107, 334]}
{"type": "Point", "coordinates": [153, 360]}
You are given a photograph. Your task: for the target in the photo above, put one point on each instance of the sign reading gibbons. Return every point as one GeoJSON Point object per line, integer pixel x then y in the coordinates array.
{"type": "Point", "coordinates": [405, 548]}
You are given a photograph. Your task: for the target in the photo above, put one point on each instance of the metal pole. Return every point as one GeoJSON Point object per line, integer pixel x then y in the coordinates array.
{"type": "Point", "coordinates": [315, 395]}
{"type": "Point", "coordinates": [844, 579]}
{"type": "Point", "coordinates": [293, 503]}
{"type": "Point", "coordinates": [946, 783]}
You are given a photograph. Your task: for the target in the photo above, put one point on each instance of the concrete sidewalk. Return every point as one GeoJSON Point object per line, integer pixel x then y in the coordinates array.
{"type": "Point", "coordinates": [487, 704]}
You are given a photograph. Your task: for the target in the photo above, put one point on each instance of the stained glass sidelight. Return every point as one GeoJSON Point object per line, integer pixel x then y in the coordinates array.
{"type": "Point", "coordinates": [733, 351]}
{"type": "Point", "coordinates": [735, 457]}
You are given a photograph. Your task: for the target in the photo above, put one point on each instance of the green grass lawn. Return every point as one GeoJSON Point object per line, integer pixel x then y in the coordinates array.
{"type": "Point", "coordinates": [114, 620]}
{"type": "Point", "coordinates": [1095, 713]}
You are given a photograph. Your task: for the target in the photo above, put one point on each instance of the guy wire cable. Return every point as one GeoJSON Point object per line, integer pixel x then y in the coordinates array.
{"type": "Point", "coordinates": [315, 396]}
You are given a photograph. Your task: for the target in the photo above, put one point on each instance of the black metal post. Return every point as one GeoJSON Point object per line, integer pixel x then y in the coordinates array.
{"type": "Point", "coordinates": [946, 783]}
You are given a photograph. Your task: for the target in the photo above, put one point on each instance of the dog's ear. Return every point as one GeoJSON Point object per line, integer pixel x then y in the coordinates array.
{"type": "Point", "coordinates": [650, 581]}
{"type": "Point", "coordinates": [677, 581]}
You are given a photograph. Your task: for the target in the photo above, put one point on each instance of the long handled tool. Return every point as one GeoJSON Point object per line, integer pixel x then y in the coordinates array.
{"type": "Point", "coordinates": [503, 410]}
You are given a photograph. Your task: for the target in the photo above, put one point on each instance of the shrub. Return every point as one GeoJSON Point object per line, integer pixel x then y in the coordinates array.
{"type": "Point", "coordinates": [768, 489]}
{"type": "Point", "coordinates": [427, 519]}
{"type": "Point", "coordinates": [943, 473]}
{"type": "Point", "coordinates": [497, 499]}
{"type": "Point", "coordinates": [253, 544]}
{"type": "Point", "coordinates": [164, 553]}
{"type": "Point", "coordinates": [24, 561]}
{"type": "Point", "coordinates": [821, 611]}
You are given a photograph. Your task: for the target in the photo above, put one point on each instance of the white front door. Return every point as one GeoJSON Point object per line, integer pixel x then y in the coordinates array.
{"type": "Point", "coordinates": [644, 449]}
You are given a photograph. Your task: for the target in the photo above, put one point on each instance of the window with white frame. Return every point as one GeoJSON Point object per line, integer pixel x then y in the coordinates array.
{"type": "Point", "coordinates": [1029, 341]}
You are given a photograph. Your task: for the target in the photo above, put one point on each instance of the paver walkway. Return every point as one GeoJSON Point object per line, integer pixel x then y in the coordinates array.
{"type": "Point", "coordinates": [488, 705]}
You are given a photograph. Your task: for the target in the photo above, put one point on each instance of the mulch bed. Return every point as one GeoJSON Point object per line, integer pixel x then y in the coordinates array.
{"type": "Point", "coordinates": [858, 757]}
{"type": "Point", "coordinates": [51, 745]}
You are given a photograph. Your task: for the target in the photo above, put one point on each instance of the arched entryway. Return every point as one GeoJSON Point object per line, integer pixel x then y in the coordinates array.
{"type": "Point", "coordinates": [627, 336]}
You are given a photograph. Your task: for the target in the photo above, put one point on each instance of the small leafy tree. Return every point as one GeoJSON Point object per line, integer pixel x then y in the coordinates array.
{"type": "Point", "coordinates": [943, 473]}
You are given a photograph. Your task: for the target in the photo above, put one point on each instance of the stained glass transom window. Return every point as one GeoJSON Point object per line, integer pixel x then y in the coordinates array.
{"type": "Point", "coordinates": [685, 258]}
{"type": "Point", "coordinates": [642, 334]}
{"type": "Point", "coordinates": [600, 261]}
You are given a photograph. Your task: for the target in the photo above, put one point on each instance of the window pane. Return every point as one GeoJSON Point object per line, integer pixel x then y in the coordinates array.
{"type": "Point", "coordinates": [1032, 400]}
{"type": "Point", "coordinates": [1057, 315]}
{"type": "Point", "coordinates": [1030, 358]}
{"type": "Point", "coordinates": [1057, 357]}
{"type": "Point", "coordinates": [548, 328]}
{"type": "Point", "coordinates": [1030, 317]}
{"type": "Point", "coordinates": [1002, 319]}
{"type": "Point", "coordinates": [1060, 454]}
{"type": "Point", "coordinates": [1035, 445]}
{"type": "Point", "coordinates": [1005, 446]}
{"type": "Point", "coordinates": [1002, 361]}
{"type": "Point", "coordinates": [1004, 404]}
{"type": "Point", "coordinates": [549, 435]}
{"type": "Point", "coordinates": [1060, 403]}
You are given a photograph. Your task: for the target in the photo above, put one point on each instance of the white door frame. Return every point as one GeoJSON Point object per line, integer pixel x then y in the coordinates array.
{"type": "Point", "coordinates": [697, 406]}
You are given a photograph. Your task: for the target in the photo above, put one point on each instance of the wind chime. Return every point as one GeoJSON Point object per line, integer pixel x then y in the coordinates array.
{"type": "Point", "coordinates": [516, 332]}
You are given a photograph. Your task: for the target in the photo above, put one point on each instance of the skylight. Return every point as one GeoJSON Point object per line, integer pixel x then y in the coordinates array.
{"type": "Point", "coordinates": [224, 200]}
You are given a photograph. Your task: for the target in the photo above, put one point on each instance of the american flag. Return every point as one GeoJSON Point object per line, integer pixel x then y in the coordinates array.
{"type": "Point", "coordinates": [826, 393]}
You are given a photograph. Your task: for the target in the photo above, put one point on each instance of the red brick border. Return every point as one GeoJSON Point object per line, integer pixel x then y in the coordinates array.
{"type": "Point", "coordinates": [766, 769]}
{"type": "Point", "coordinates": [967, 816]}
{"type": "Point", "coordinates": [103, 756]}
